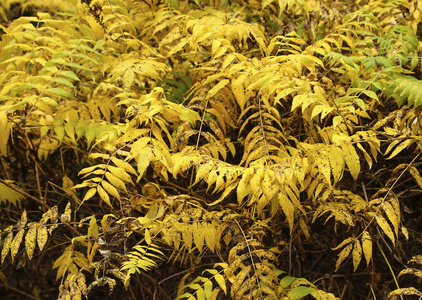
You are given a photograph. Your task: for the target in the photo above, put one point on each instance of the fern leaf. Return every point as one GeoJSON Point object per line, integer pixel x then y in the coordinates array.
{"type": "Point", "coordinates": [7, 194]}
{"type": "Point", "coordinates": [141, 258]}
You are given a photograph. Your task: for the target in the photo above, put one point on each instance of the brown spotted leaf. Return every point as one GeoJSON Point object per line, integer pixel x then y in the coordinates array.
{"type": "Point", "coordinates": [42, 236]}
{"type": "Point", "coordinates": [7, 243]}
{"type": "Point", "coordinates": [30, 239]}
{"type": "Point", "coordinates": [343, 255]}
{"type": "Point", "coordinates": [356, 255]}
{"type": "Point", "coordinates": [16, 243]}
{"type": "Point", "coordinates": [21, 224]}
{"type": "Point", "coordinates": [80, 279]}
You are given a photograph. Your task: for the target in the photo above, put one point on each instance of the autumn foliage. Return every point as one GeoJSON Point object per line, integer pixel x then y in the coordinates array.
{"type": "Point", "coordinates": [205, 149]}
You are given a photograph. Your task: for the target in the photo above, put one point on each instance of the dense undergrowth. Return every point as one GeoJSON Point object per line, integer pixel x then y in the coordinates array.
{"type": "Point", "coordinates": [210, 149]}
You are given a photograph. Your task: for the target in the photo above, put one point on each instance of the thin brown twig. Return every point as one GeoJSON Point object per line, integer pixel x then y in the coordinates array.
{"type": "Point", "coordinates": [19, 291]}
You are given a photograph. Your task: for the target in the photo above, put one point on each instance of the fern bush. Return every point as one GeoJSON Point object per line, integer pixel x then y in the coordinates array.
{"type": "Point", "coordinates": [210, 149]}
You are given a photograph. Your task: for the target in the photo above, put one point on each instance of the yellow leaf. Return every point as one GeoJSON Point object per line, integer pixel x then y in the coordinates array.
{"type": "Point", "coordinates": [103, 194]}
{"type": "Point", "coordinates": [238, 90]}
{"type": "Point", "coordinates": [365, 154]}
{"type": "Point", "coordinates": [392, 215]}
{"type": "Point", "coordinates": [59, 131]}
{"type": "Point", "coordinates": [398, 148]}
{"type": "Point", "coordinates": [67, 213]}
{"type": "Point", "coordinates": [123, 165]}
{"type": "Point", "coordinates": [183, 163]}
{"type": "Point", "coordinates": [16, 243]}
{"type": "Point", "coordinates": [93, 228]}
{"type": "Point", "coordinates": [343, 255]}
{"type": "Point", "coordinates": [416, 175]}
{"type": "Point", "coordinates": [91, 192]}
{"type": "Point", "coordinates": [335, 156]}
{"type": "Point", "coordinates": [42, 236]}
{"type": "Point", "coordinates": [284, 172]}
{"type": "Point", "coordinates": [45, 217]}
{"type": "Point", "coordinates": [203, 171]}
{"type": "Point", "coordinates": [178, 47]}
{"type": "Point", "coordinates": [148, 237]}
{"type": "Point", "coordinates": [67, 183]}
{"type": "Point", "coordinates": [92, 238]}
{"type": "Point", "coordinates": [352, 159]}
{"type": "Point", "coordinates": [90, 169]}
{"type": "Point", "coordinates": [227, 191]}
{"type": "Point", "coordinates": [110, 189]}
{"type": "Point", "coordinates": [298, 101]}
{"type": "Point", "coordinates": [21, 224]}
{"type": "Point", "coordinates": [288, 209]}
{"type": "Point", "coordinates": [244, 187]}
{"type": "Point", "coordinates": [269, 186]}
{"type": "Point", "coordinates": [6, 245]}
{"type": "Point", "coordinates": [405, 232]}
{"type": "Point", "coordinates": [5, 127]}
{"type": "Point", "coordinates": [323, 163]}
{"type": "Point", "coordinates": [210, 234]}
{"type": "Point", "coordinates": [143, 161]}
{"type": "Point", "coordinates": [81, 282]}
{"type": "Point", "coordinates": [383, 224]}
{"type": "Point", "coordinates": [63, 262]}
{"type": "Point", "coordinates": [104, 222]}
{"type": "Point", "coordinates": [346, 241]}
{"type": "Point", "coordinates": [7, 194]}
{"type": "Point", "coordinates": [356, 255]}
{"type": "Point", "coordinates": [229, 59]}
{"type": "Point", "coordinates": [217, 88]}
{"type": "Point", "coordinates": [215, 46]}
{"type": "Point", "coordinates": [70, 131]}
{"type": "Point", "coordinates": [120, 173]}
{"type": "Point", "coordinates": [187, 237]}
{"type": "Point", "coordinates": [213, 175]}
{"type": "Point", "coordinates": [198, 237]}
{"type": "Point", "coordinates": [256, 182]}
{"type": "Point", "coordinates": [115, 181]}
{"type": "Point", "coordinates": [128, 78]}
{"type": "Point", "coordinates": [30, 240]}
{"type": "Point", "coordinates": [404, 292]}
{"type": "Point", "coordinates": [367, 246]}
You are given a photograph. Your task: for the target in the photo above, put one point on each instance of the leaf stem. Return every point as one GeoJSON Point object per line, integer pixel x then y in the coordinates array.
{"type": "Point", "coordinates": [388, 264]}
